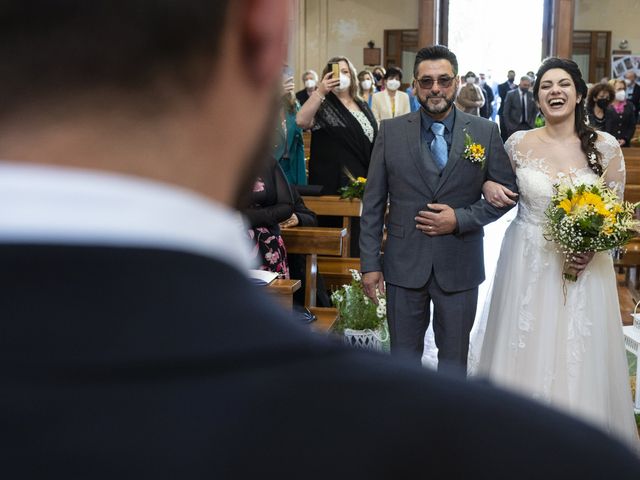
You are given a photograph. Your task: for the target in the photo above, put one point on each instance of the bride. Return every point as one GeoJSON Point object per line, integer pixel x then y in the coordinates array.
{"type": "Point", "coordinates": [568, 354]}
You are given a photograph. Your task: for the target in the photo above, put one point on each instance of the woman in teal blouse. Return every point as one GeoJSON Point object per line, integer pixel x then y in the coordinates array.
{"type": "Point", "coordinates": [289, 146]}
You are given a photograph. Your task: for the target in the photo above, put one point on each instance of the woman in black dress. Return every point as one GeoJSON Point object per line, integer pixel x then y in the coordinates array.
{"type": "Point", "coordinates": [599, 98]}
{"type": "Point", "coordinates": [620, 118]}
{"type": "Point", "coordinates": [271, 204]}
{"type": "Point", "coordinates": [343, 131]}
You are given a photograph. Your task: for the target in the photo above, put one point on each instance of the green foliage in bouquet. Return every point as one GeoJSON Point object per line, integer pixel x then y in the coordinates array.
{"type": "Point", "coordinates": [356, 310]}
{"type": "Point", "coordinates": [355, 189]}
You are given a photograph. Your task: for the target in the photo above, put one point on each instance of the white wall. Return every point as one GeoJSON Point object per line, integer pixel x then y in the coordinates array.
{"type": "Point", "coordinates": [343, 27]}
{"type": "Point", "coordinates": [621, 17]}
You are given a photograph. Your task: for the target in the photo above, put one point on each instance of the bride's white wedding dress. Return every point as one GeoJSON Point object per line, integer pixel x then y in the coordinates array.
{"type": "Point", "coordinates": [570, 354]}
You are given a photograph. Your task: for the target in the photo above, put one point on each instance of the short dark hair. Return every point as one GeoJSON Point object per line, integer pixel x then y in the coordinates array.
{"type": "Point", "coordinates": [595, 91]}
{"type": "Point", "coordinates": [392, 72]}
{"type": "Point", "coordinates": [57, 48]}
{"type": "Point", "coordinates": [436, 52]}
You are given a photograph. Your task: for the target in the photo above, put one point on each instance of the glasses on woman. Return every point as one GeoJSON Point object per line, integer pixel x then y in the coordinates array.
{"type": "Point", "coordinates": [428, 82]}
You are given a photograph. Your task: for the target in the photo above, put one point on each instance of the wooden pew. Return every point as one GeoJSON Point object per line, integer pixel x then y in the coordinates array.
{"type": "Point", "coordinates": [283, 290]}
{"type": "Point", "coordinates": [334, 206]}
{"type": "Point", "coordinates": [335, 271]}
{"type": "Point", "coordinates": [632, 183]}
{"type": "Point", "coordinates": [312, 242]}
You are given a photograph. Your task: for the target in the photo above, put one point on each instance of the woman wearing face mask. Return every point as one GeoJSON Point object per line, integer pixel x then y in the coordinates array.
{"type": "Point", "coordinates": [366, 87]}
{"type": "Point", "coordinates": [342, 133]}
{"type": "Point", "coordinates": [599, 98]}
{"type": "Point", "coordinates": [310, 82]}
{"type": "Point", "coordinates": [470, 98]}
{"type": "Point", "coordinates": [620, 117]}
{"type": "Point", "coordinates": [391, 102]}
{"type": "Point", "coordinates": [378, 78]}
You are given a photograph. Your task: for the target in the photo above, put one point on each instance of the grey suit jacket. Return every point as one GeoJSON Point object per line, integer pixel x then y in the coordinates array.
{"type": "Point", "coordinates": [513, 110]}
{"type": "Point", "coordinates": [403, 171]}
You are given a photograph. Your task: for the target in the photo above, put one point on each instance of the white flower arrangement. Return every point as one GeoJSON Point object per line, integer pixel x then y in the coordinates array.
{"type": "Point", "coordinates": [356, 310]}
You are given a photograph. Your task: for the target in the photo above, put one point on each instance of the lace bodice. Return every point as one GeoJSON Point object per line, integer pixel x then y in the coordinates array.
{"type": "Point", "coordinates": [540, 165]}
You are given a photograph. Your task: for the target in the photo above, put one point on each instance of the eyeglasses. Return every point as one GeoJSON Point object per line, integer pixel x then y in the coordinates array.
{"type": "Point", "coordinates": [427, 82]}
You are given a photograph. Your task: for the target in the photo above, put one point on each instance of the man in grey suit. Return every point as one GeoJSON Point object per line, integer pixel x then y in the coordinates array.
{"type": "Point", "coordinates": [434, 248]}
{"type": "Point", "coordinates": [518, 101]}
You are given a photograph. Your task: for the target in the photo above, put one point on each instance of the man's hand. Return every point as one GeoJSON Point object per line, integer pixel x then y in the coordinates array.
{"type": "Point", "coordinates": [292, 221]}
{"type": "Point", "coordinates": [498, 195]}
{"type": "Point", "coordinates": [371, 281]}
{"type": "Point", "coordinates": [440, 221]}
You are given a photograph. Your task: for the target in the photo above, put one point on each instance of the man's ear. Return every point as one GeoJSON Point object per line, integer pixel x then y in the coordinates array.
{"type": "Point", "coordinates": [265, 34]}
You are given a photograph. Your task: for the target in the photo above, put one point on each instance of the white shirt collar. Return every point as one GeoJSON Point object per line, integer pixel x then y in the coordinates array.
{"type": "Point", "coordinates": [53, 205]}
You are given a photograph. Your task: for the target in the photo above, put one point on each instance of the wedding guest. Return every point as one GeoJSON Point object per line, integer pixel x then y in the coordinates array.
{"type": "Point", "coordinates": [133, 344]}
{"type": "Point", "coordinates": [620, 119]}
{"type": "Point", "coordinates": [559, 342]}
{"type": "Point", "coordinates": [289, 143]}
{"type": "Point", "coordinates": [302, 216]}
{"type": "Point", "coordinates": [633, 89]}
{"type": "Point", "coordinates": [378, 77]}
{"type": "Point", "coordinates": [310, 82]}
{"type": "Point", "coordinates": [343, 129]}
{"type": "Point", "coordinates": [413, 99]}
{"type": "Point", "coordinates": [520, 109]}
{"type": "Point", "coordinates": [271, 204]}
{"type": "Point", "coordinates": [366, 87]}
{"type": "Point", "coordinates": [470, 97]}
{"type": "Point", "coordinates": [599, 98]}
{"type": "Point", "coordinates": [503, 89]}
{"type": "Point", "coordinates": [390, 103]}
{"type": "Point", "coordinates": [486, 111]}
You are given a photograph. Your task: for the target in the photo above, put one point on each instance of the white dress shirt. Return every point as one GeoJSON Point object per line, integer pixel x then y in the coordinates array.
{"type": "Point", "coordinates": [68, 206]}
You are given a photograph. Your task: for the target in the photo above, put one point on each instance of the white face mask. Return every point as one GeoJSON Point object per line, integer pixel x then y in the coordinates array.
{"type": "Point", "coordinates": [621, 95]}
{"type": "Point", "coordinates": [366, 85]}
{"type": "Point", "coordinates": [470, 80]}
{"type": "Point", "coordinates": [309, 84]}
{"type": "Point", "coordinates": [345, 83]}
{"type": "Point", "coordinates": [393, 84]}
{"type": "Point", "coordinates": [482, 81]}
{"type": "Point", "coordinates": [627, 82]}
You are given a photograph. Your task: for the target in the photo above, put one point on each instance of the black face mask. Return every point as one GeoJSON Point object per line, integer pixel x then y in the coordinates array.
{"type": "Point", "coordinates": [603, 103]}
{"type": "Point", "coordinates": [377, 77]}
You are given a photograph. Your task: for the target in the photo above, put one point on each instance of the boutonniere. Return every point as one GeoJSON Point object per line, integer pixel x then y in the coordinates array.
{"type": "Point", "coordinates": [474, 152]}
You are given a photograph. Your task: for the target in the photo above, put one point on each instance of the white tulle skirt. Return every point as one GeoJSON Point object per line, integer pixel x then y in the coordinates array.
{"type": "Point", "coordinates": [567, 352]}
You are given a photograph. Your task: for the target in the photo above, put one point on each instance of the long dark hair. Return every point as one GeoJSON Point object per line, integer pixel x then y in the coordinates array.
{"type": "Point", "coordinates": [586, 134]}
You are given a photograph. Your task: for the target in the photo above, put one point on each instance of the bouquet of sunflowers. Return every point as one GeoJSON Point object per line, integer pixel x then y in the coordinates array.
{"type": "Point", "coordinates": [588, 218]}
{"type": "Point", "coordinates": [355, 189]}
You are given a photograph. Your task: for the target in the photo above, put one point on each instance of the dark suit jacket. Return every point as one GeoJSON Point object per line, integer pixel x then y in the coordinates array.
{"type": "Point", "coordinates": [403, 170]}
{"type": "Point", "coordinates": [513, 110]}
{"type": "Point", "coordinates": [487, 109]}
{"type": "Point", "coordinates": [302, 96]}
{"type": "Point", "coordinates": [621, 125]}
{"type": "Point", "coordinates": [503, 89]}
{"type": "Point", "coordinates": [133, 363]}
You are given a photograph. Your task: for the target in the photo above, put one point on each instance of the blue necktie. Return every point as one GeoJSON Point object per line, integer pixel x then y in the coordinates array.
{"type": "Point", "coordinates": [439, 145]}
